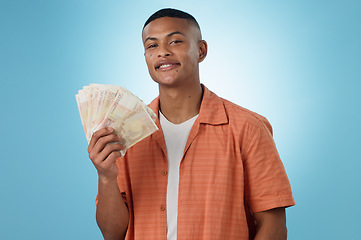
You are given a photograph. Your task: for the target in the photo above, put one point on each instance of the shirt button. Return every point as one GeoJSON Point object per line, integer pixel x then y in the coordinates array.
{"type": "Point", "coordinates": [164, 173]}
{"type": "Point", "coordinates": [162, 207]}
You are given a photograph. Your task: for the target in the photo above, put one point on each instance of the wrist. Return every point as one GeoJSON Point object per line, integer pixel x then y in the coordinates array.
{"type": "Point", "coordinates": [105, 180]}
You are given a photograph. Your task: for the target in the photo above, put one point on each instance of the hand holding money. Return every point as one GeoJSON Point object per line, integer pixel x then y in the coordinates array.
{"type": "Point", "coordinates": [104, 148]}
{"type": "Point", "coordinates": [102, 106]}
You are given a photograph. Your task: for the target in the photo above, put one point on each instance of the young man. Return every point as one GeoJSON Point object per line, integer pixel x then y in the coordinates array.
{"type": "Point", "coordinates": [212, 171]}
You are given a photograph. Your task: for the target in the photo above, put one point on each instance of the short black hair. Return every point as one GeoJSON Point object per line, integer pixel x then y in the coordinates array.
{"type": "Point", "coordinates": [170, 12]}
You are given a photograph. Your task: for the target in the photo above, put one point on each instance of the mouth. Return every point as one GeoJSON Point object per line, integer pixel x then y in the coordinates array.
{"type": "Point", "coordinates": [166, 66]}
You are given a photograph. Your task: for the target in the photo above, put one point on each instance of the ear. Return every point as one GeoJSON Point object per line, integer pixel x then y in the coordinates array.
{"type": "Point", "coordinates": [202, 48]}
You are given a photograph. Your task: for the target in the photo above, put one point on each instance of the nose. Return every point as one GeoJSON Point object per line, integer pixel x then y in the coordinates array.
{"type": "Point", "coordinates": [163, 51]}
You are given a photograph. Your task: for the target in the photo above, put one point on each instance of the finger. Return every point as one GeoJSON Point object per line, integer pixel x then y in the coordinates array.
{"type": "Point", "coordinates": [98, 134]}
{"type": "Point", "coordinates": [111, 159]}
{"type": "Point", "coordinates": [104, 141]}
{"type": "Point", "coordinates": [108, 167]}
{"type": "Point", "coordinates": [109, 150]}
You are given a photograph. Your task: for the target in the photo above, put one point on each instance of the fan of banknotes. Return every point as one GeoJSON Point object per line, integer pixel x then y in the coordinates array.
{"type": "Point", "coordinates": [113, 106]}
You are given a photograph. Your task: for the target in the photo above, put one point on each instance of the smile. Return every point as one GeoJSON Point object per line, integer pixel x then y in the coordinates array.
{"type": "Point", "coordinates": [166, 66]}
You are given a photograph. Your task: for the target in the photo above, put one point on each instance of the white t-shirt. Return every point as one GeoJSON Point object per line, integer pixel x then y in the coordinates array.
{"type": "Point", "coordinates": [175, 136]}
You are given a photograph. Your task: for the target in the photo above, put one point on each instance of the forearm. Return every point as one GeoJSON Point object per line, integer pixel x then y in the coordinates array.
{"type": "Point", "coordinates": [269, 233]}
{"type": "Point", "coordinates": [271, 225]}
{"type": "Point", "coordinates": [112, 214]}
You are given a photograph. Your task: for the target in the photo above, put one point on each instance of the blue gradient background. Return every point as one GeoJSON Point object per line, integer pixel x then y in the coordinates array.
{"type": "Point", "coordinates": [296, 62]}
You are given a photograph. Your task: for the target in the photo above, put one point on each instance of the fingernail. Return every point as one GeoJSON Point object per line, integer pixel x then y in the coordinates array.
{"type": "Point", "coordinates": [110, 129]}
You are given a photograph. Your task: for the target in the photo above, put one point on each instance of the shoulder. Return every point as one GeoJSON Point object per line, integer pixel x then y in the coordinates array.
{"type": "Point", "coordinates": [238, 115]}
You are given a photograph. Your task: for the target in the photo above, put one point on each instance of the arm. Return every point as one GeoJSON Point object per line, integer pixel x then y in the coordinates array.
{"type": "Point", "coordinates": [271, 224]}
{"type": "Point", "coordinates": [112, 214]}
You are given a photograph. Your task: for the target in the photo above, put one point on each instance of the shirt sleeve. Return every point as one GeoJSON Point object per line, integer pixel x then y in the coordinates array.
{"type": "Point", "coordinates": [266, 182]}
{"type": "Point", "coordinates": [121, 179]}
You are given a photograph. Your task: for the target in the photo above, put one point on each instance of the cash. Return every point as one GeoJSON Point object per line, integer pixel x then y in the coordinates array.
{"type": "Point", "coordinates": [113, 106]}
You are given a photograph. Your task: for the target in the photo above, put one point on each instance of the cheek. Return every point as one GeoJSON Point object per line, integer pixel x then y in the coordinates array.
{"type": "Point", "coordinates": [193, 54]}
{"type": "Point", "coordinates": [148, 60]}
{"type": "Point", "coordinates": [191, 58]}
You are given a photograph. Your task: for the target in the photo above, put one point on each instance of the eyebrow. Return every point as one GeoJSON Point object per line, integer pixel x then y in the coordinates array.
{"type": "Point", "coordinates": [169, 35]}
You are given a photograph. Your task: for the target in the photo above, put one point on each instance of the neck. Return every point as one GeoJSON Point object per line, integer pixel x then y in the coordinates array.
{"type": "Point", "coordinates": [181, 103]}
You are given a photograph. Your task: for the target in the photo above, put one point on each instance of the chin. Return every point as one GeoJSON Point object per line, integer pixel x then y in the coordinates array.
{"type": "Point", "coordinates": [166, 81]}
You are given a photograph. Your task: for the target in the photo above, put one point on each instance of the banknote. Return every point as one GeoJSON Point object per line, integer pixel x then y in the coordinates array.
{"type": "Point", "coordinates": [113, 106]}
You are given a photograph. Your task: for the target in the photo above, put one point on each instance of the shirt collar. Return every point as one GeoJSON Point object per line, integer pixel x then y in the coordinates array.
{"type": "Point", "coordinates": [212, 110]}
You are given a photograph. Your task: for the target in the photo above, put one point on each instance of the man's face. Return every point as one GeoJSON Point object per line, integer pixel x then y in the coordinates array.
{"type": "Point", "coordinates": [173, 49]}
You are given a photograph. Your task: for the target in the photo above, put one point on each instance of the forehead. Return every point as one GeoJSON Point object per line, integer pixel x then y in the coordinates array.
{"type": "Point", "coordinates": [165, 25]}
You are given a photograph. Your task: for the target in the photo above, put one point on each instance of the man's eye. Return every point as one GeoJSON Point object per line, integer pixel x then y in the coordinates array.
{"type": "Point", "coordinates": [176, 41]}
{"type": "Point", "coordinates": [151, 46]}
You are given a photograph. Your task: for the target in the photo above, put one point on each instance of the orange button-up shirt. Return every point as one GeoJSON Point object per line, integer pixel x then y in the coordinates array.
{"type": "Point", "coordinates": [230, 168]}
